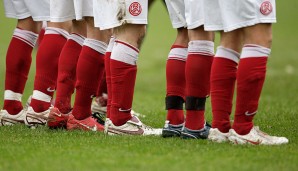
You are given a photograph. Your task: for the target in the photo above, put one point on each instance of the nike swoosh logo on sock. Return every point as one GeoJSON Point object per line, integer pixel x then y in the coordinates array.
{"type": "Point", "coordinates": [250, 114]}
{"type": "Point", "coordinates": [124, 110]}
{"type": "Point", "coordinates": [50, 90]}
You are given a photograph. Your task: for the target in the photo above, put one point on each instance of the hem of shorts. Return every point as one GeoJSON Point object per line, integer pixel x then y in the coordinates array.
{"type": "Point", "coordinates": [63, 19]}
{"type": "Point", "coordinates": [196, 24]}
{"type": "Point", "coordinates": [44, 18]}
{"type": "Point", "coordinates": [82, 17]}
{"type": "Point", "coordinates": [87, 14]}
{"type": "Point", "coordinates": [26, 15]}
{"type": "Point", "coordinates": [117, 24]}
{"type": "Point", "coordinates": [179, 25]}
{"type": "Point", "coordinates": [22, 16]}
{"type": "Point", "coordinates": [239, 25]}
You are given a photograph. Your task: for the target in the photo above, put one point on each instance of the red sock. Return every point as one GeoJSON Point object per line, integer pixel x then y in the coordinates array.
{"type": "Point", "coordinates": [197, 75]}
{"type": "Point", "coordinates": [223, 77]}
{"type": "Point", "coordinates": [250, 79]}
{"type": "Point", "coordinates": [102, 88]}
{"type": "Point", "coordinates": [67, 72]}
{"type": "Point", "coordinates": [123, 75]}
{"type": "Point", "coordinates": [89, 71]}
{"type": "Point", "coordinates": [18, 61]}
{"type": "Point", "coordinates": [40, 36]}
{"type": "Point", "coordinates": [175, 75]}
{"type": "Point", "coordinates": [108, 74]}
{"type": "Point", "coordinates": [47, 66]}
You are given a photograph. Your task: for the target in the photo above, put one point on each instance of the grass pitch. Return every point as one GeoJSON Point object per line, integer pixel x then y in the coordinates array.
{"type": "Point", "coordinates": [43, 149]}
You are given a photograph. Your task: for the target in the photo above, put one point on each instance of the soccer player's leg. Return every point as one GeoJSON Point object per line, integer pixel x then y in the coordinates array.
{"type": "Point", "coordinates": [90, 69]}
{"type": "Point", "coordinates": [197, 75]}
{"type": "Point", "coordinates": [223, 77]}
{"type": "Point", "coordinates": [67, 75]}
{"type": "Point", "coordinates": [47, 59]}
{"type": "Point", "coordinates": [122, 62]}
{"type": "Point", "coordinates": [175, 81]}
{"type": "Point", "coordinates": [18, 62]}
{"type": "Point", "coordinates": [250, 79]}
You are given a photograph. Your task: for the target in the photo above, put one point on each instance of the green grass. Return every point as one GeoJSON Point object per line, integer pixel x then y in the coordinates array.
{"type": "Point", "coordinates": [43, 149]}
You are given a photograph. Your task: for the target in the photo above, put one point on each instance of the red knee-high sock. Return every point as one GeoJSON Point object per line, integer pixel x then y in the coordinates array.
{"type": "Point", "coordinates": [223, 77]}
{"type": "Point", "coordinates": [40, 36]}
{"type": "Point", "coordinates": [102, 88]}
{"type": "Point", "coordinates": [123, 75]}
{"type": "Point", "coordinates": [89, 71]}
{"type": "Point", "coordinates": [175, 75]}
{"type": "Point", "coordinates": [47, 67]}
{"type": "Point", "coordinates": [108, 74]}
{"type": "Point", "coordinates": [250, 79]}
{"type": "Point", "coordinates": [18, 61]}
{"type": "Point", "coordinates": [67, 72]}
{"type": "Point", "coordinates": [197, 74]}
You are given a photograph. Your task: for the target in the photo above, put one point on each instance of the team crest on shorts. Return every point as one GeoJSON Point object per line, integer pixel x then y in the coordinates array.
{"type": "Point", "coordinates": [135, 9]}
{"type": "Point", "coordinates": [266, 8]}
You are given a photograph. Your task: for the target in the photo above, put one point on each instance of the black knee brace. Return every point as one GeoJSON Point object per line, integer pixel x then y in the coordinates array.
{"type": "Point", "coordinates": [174, 102]}
{"type": "Point", "coordinates": [195, 103]}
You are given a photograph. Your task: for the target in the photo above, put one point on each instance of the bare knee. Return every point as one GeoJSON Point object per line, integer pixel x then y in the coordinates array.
{"type": "Point", "coordinates": [96, 33]}
{"type": "Point", "coordinates": [200, 34]}
{"type": "Point", "coordinates": [131, 33]}
{"type": "Point", "coordinates": [260, 34]}
{"type": "Point", "coordinates": [62, 25]}
{"type": "Point", "coordinates": [29, 25]}
{"type": "Point", "coordinates": [79, 27]}
{"type": "Point", "coordinates": [232, 40]}
{"type": "Point", "coordinates": [182, 37]}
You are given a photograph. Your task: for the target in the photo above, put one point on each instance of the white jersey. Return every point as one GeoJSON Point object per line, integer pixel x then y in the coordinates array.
{"type": "Point", "coordinates": [113, 13]}
{"type": "Point", "coordinates": [39, 10]}
{"type": "Point", "coordinates": [186, 13]}
{"type": "Point", "coordinates": [66, 10]}
{"type": "Point", "coordinates": [228, 15]}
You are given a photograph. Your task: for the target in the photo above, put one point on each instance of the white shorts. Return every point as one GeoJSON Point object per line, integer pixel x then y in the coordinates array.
{"type": "Point", "coordinates": [39, 10]}
{"type": "Point", "coordinates": [186, 13]}
{"type": "Point", "coordinates": [228, 15]}
{"type": "Point", "coordinates": [66, 10]}
{"type": "Point", "coordinates": [113, 13]}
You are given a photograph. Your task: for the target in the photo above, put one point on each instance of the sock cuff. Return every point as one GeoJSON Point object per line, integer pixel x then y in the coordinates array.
{"type": "Point", "coordinates": [202, 47]}
{"type": "Point", "coordinates": [77, 38]}
{"type": "Point", "coordinates": [26, 36]}
{"type": "Point", "coordinates": [227, 53]}
{"type": "Point", "coordinates": [124, 52]}
{"type": "Point", "coordinates": [96, 45]}
{"type": "Point", "coordinates": [178, 53]}
{"type": "Point", "coordinates": [38, 95]}
{"type": "Point", "coordinates": [254, 51]}
{"type": "Point", "coordinates": [53, 30]}
{"type": "Point", "coordinates": [10, 95]}
{"type": "Point", "coordinates": [111, 44]}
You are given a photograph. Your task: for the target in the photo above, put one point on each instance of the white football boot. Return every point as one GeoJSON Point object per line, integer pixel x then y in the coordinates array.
{"type": "Point", "coordinates": [132, 127]}
{"type": "Point", "coordinates": [34, 119]}
{"type": "Point", "coordinates": [216, 136]}
{"type": "Point", "coordinates": [256, 137]}
{"type": "Point", "coordinates": [8, 119]}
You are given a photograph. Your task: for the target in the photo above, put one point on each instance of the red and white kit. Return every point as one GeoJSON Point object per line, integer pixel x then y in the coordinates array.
{"type": "Point", "coordinates": [250, 71]}
{"type": "Point", "coordinates": [188, 72]}
{"type": "Point", "coordinates": [222, 15]}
